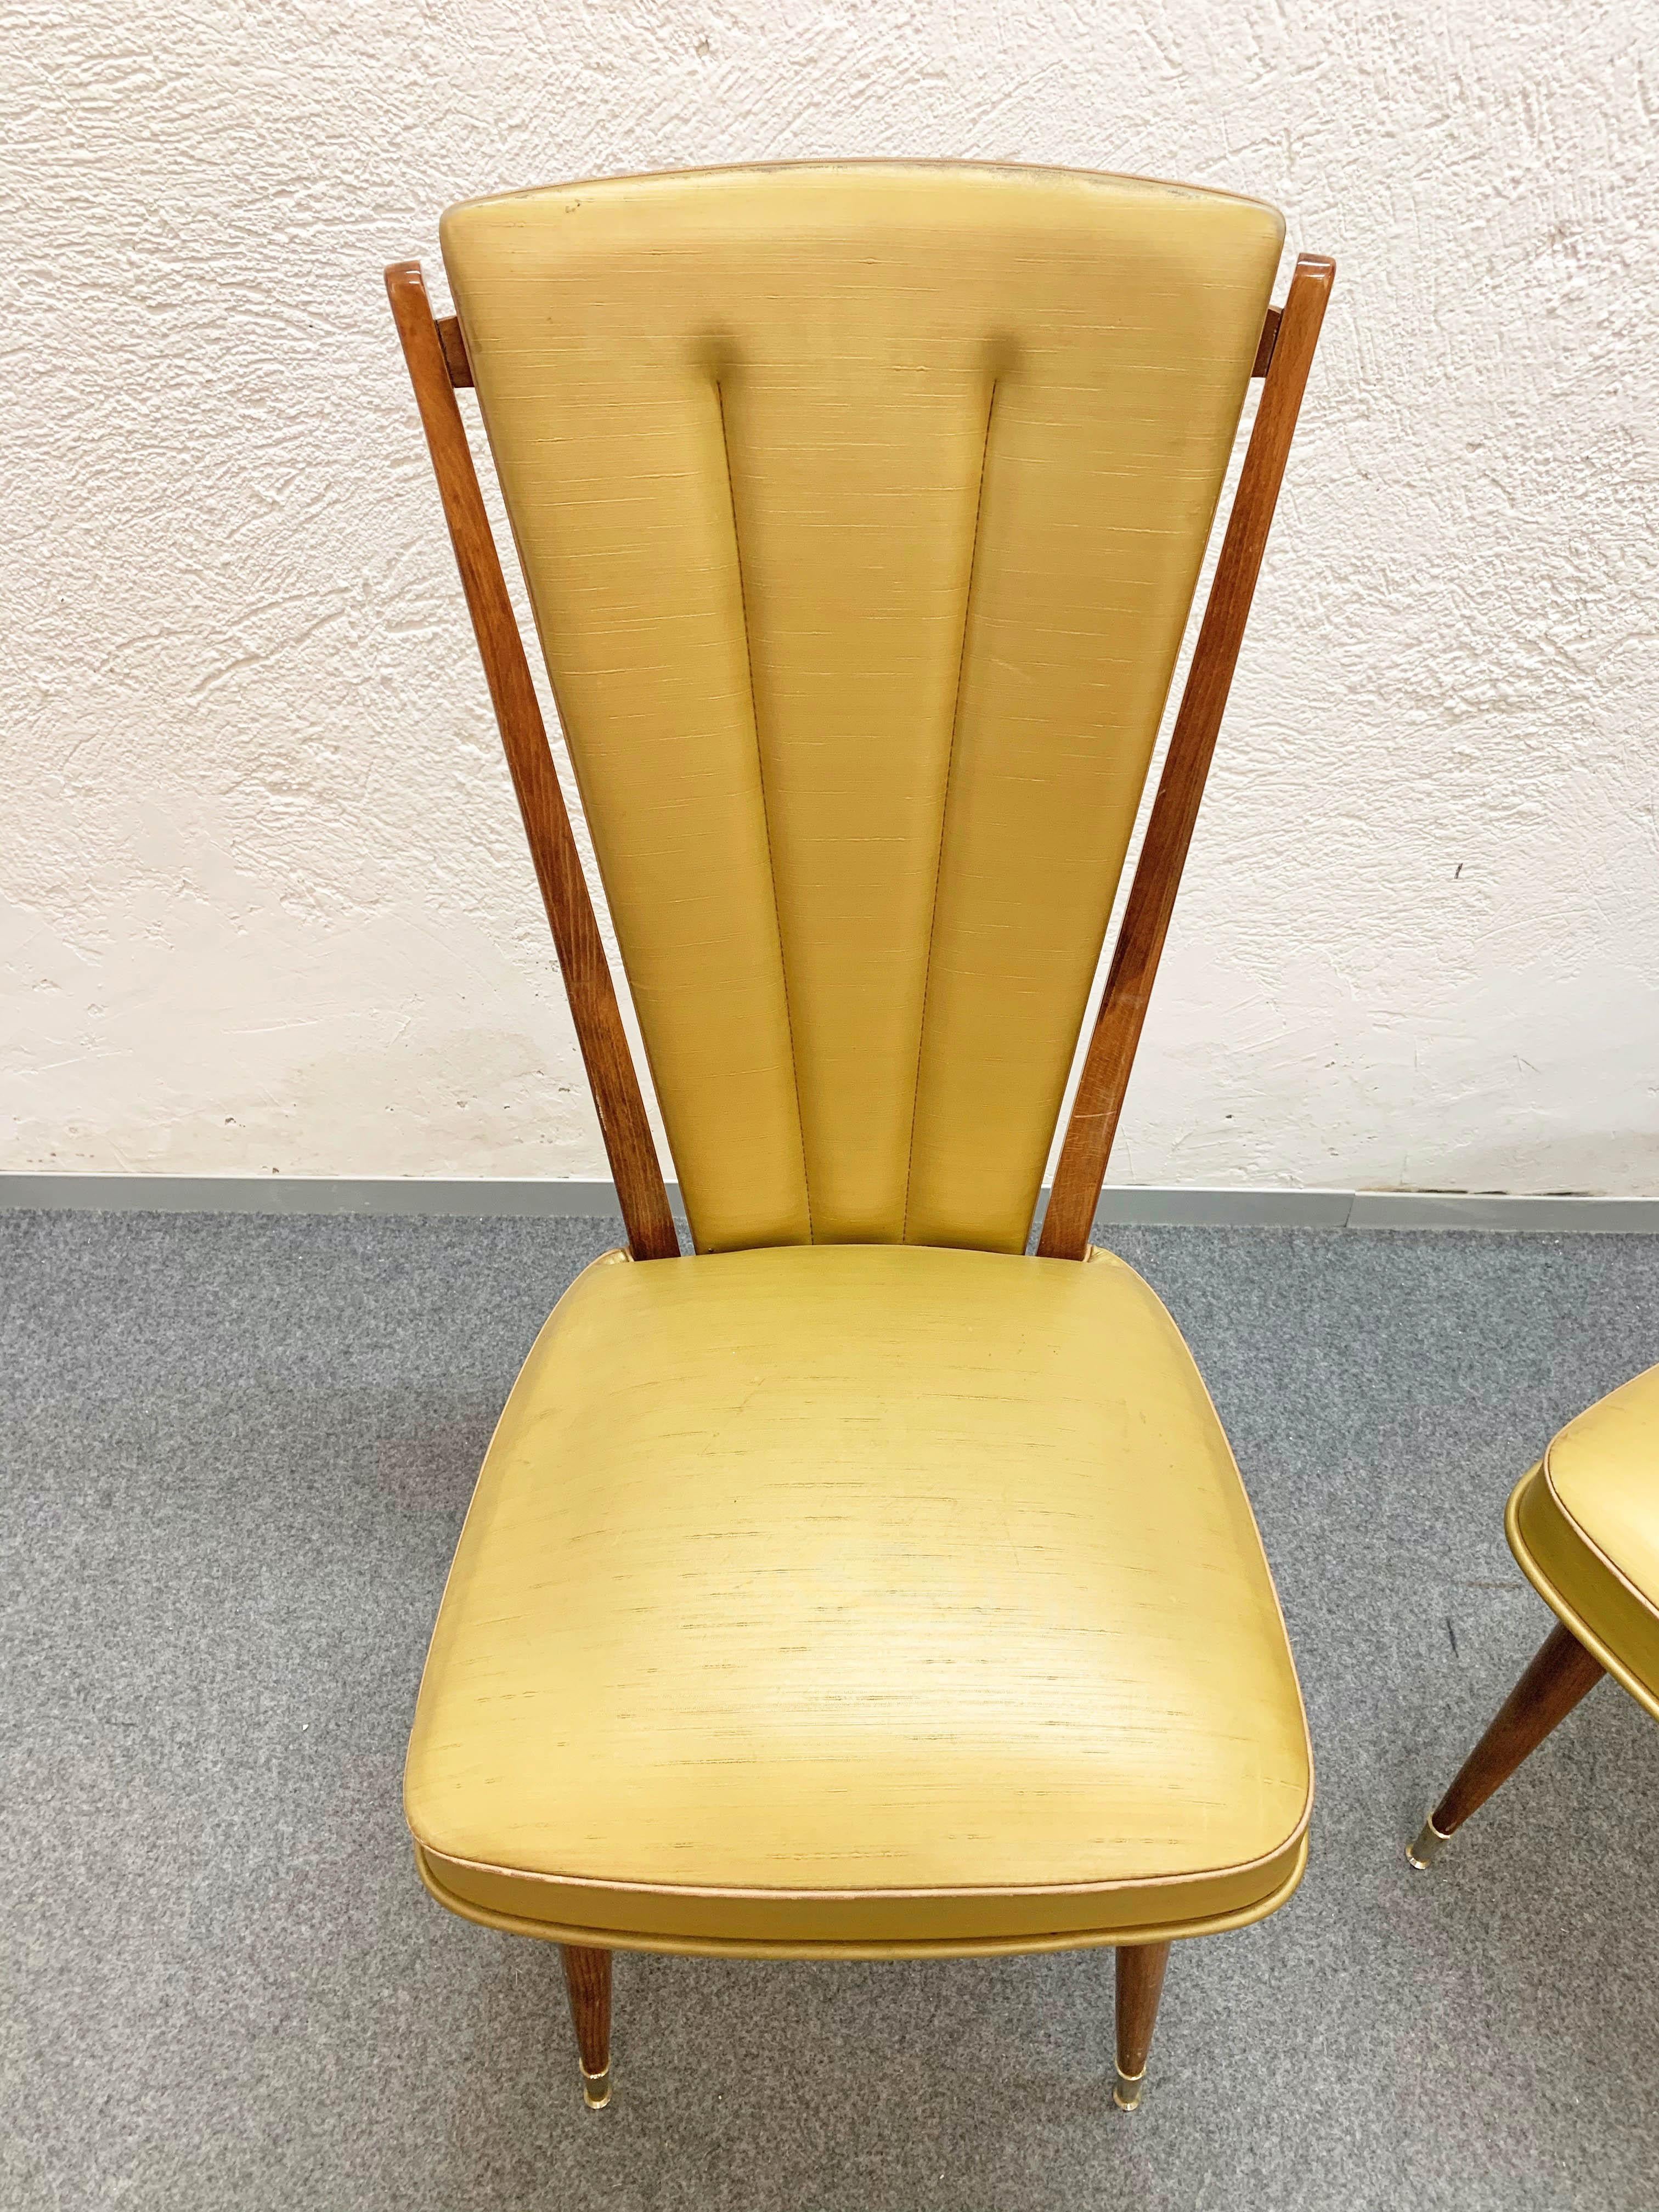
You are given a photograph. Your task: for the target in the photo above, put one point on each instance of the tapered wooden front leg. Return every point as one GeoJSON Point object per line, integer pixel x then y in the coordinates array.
{"type": "Point", "coordinates": [1560, 1676]}
{"type": "Point", "coordinates": [587, 1979]}
{"type": "Point", "coordinates": [1139, 1985]}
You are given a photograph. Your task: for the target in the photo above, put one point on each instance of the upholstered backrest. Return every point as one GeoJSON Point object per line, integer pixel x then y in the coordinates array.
{"type": "Point", "coordinates": [861, 507]}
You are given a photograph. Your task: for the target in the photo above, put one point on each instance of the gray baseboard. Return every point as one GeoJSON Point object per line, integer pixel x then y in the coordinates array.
{"type": "Point", "coordinates": [1451, 1209]}
{"type": "Point", "coordinates": [1140, 1206]}
{"type": "Point", "coordinates": [281, 1193]}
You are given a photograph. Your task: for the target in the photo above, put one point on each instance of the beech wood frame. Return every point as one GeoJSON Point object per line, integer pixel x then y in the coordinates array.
{"type": "Point", "coordinates": [435, 352]}
{"type": "Point", "coordinates": [628, 1144]}
{"type": "Point", "coordinates": [1283, 361]}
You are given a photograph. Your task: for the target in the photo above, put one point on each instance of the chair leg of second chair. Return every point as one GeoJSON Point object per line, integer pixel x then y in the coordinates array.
{"type": "Point", "coordinates": [1560, 1673]}
{"type": "Point", "coordinates": [1139, 1985]}
{"type": "Point", "coordinates": [588, 1982]}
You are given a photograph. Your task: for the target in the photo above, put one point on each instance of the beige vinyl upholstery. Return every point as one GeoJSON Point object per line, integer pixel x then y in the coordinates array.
{"type": "Point", "coordinates": [865, 1599]}
{"type": "Point", "coordinates": [1584, 1525]}
{"type": "Point", "coordinates": [857, 1584]}
{"type": "Point", "coordinates": [860, 506]}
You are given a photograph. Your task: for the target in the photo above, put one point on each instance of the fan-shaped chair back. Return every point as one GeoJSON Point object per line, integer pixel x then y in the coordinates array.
{"type": "Point", "coordinates": [862, 508]}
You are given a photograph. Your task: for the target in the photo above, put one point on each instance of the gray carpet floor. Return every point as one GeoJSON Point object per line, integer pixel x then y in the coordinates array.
{"type": "Point", "coordinates": [237, 1453]}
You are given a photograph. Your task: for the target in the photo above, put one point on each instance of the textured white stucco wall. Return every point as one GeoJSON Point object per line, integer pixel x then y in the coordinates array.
{"type": "Point", "coordinates": [268, 904]}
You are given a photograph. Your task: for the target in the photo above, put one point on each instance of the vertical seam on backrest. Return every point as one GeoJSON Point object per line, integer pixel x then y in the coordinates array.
{"type": "Point", "coordinates": [945, 805]}
{"type": "Point", "coordinates": [766, 815]}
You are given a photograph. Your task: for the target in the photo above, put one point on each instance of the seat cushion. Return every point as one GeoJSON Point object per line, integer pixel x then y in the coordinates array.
{"type": "Point", "coordinates": [1584, 1525]}
{"type": "Point", "coordinates": [859, 1599]}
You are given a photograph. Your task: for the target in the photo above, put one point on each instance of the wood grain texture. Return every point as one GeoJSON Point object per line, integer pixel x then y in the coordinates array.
{"type": "Point", "coordinates": [587, 1984]}
{"type": "Point", "coordinates": [1140, 1970]}
{"type": "Point", "coordinates": [1264, 352]}
{"type": "Point", "coordinates": [455, 356]}
{"type": "Point", "coordinates": [1560, 1673]}
{"type": "Point", "coordinates": [1110, 1056]}
{"type": "Point", "coordinates": [629, 1142]}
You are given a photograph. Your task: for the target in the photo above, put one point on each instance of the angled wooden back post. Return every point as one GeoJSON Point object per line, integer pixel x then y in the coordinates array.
{"type": "Point", "coordinates": [437, 362]}
{"type": "Point", "coordinates": [436, 355]}
{"type": "Point", "coordinates": [1283, 359]}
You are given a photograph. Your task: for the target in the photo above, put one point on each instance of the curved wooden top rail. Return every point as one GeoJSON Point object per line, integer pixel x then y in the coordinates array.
{"type": "Point", "coordinates": [629, 1142]}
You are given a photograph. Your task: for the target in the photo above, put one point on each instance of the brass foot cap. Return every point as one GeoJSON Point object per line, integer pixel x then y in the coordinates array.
{"type": "Point", "coordinates": [596, 2089]}
{"type": "Point", "coordinates": [1126, 2094]}
{"type": "Point", "coordinates": [1428, 1847]}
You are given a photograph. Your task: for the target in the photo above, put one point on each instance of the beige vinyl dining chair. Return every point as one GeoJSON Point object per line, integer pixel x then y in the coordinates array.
{"type": "Point", "coordinates": [857, 1586]}
{"type": "Point", "coordinates": [1583, 1525]}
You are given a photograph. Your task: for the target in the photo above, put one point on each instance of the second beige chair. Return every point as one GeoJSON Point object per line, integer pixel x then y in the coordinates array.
{"type": "Point", "coordinates": [1584, 1526]}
